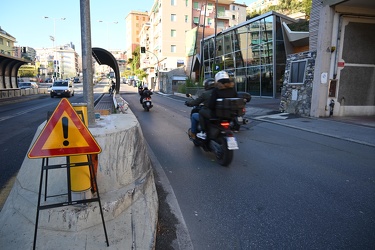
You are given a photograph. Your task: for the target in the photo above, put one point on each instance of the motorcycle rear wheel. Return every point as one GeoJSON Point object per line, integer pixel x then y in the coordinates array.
{"type": "Point", "coordinates": [224, 156]}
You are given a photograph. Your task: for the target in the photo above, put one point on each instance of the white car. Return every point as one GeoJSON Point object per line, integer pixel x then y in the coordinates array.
{"type": "Point", "coordinates": [27, 85]}
{"type": "Point", "coordinates": [62, 88]}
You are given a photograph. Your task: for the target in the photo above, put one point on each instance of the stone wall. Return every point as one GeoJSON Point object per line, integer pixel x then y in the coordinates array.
{"type": "Point", "coordinates": [296, 98]}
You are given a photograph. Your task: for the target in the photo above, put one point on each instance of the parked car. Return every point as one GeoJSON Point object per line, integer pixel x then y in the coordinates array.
{"type": "Point", "coordinates": [48, 80]}
{"type": "Point", "coordinates": [76, 80]}
{"type": "Point", "coordinates": [27, 85]}
{"type": "Point", "coordinates": [62, 88]}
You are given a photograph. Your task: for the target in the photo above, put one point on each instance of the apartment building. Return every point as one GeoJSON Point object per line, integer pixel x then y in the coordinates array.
{"type": "Point", "coordinates": [6, 43]}
{"type": "Point", "coordinates": [171, 37]}
{"type": "Point", "coordinates": [61, 59]}
{"type": "Point", "coordinates": [134, 23]}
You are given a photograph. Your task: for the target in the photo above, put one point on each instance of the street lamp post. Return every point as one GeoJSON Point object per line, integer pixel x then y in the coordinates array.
{"type": "Point", "coordinates": [107, 23]}
{"type": "Point", "coordinates": [53, 38]}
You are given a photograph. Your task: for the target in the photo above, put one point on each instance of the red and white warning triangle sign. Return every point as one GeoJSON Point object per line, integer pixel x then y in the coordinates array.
{"type": "Point", "coordinates": [64, 134]}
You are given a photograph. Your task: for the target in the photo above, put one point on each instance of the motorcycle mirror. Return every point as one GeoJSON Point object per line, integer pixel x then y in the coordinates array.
{"type": "Point", "coordinates": [188, 95]}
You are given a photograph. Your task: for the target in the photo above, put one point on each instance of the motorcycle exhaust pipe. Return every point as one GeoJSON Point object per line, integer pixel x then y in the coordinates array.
{"type": "Point", "coordinates": [245, 121]}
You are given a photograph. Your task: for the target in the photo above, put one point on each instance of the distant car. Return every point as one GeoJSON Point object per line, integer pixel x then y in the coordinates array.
{"type": "Point", "coordinates": [62, 88]}
{"type": "Point", "coordinates": [76, 80]}
{"type": "Point", "coordinates": [48, 80]}
{"type": "Point", "coordinates": [27, 85]}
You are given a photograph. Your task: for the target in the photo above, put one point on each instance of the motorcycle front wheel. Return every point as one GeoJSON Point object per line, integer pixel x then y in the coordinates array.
{"type": "Point", "coordinates": [224, 156]}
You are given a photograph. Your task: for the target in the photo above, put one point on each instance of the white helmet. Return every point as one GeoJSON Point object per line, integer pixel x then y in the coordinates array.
{"type": "Point", "coordinates": [222, 77]}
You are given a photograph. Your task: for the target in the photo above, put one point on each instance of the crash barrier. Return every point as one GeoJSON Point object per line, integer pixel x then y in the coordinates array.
{"type": "Point", "coordinates": [127, 192]}
{"type": "Point", "coordinates": [9, 93]}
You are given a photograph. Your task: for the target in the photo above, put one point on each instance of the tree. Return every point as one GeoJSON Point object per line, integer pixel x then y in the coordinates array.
{"type": "Point", "coordinates": [134, 64]}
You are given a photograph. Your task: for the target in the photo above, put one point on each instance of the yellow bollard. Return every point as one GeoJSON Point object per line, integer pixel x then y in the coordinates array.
{"type": "Point", "coordinates": [80, 178]}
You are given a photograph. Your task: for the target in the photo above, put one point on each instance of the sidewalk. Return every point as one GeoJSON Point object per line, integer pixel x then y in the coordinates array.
{"type": "Point", "coordinates": [358, 129]}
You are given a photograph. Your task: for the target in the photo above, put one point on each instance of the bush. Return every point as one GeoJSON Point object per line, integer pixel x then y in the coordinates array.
{"type": "Point", "coordinates": [182, 88]}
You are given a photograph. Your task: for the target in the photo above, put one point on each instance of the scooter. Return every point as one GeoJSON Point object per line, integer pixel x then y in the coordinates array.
{"type": "Point", "coordinates": [146, 101]}
{"type": "Point", "coordinates": [220, 138]}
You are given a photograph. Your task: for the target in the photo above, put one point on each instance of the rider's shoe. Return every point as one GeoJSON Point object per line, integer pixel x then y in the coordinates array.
{"type": "Point", "coordinates": [202, 135]}
{"type": "Point", "coordinates": [192, 135]}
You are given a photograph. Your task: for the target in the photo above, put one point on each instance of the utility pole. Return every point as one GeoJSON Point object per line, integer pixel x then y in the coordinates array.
{"type": "Point", "coordinates": [88, 89]}
{"type": "Point", "coordinates": [143, 50]}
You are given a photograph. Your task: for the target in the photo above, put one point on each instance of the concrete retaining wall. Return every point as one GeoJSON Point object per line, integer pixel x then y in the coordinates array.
{"type": "Point", "coordinates": [127, 191]}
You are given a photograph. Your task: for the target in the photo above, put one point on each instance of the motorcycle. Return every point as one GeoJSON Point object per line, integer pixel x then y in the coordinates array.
{"type": "Point", "coordinates": [220, 139]}
{"type": "Point", "coordinates": [146, 100]}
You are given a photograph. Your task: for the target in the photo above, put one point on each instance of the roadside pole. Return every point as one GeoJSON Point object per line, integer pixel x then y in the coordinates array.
{"type": "Point", "coordinates": [88, 89]}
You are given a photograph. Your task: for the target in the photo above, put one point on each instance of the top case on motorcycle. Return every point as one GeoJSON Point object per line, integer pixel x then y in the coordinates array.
{"type": "Point", "coordinates": [229, 107]}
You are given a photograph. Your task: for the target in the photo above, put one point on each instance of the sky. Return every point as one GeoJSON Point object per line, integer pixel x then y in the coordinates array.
{"type": "Point", "coordinates": [25, 20]}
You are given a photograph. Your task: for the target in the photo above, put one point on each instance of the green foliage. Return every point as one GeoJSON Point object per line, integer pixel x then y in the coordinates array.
{"type": "Point", "coordinates": [181, 88]}
{"type": "Point", "coordinates": [134, 64]}
{"type": "Point", "coordinates": [286, 7]}
{"type": "Point", "coordinates": [299, 26]}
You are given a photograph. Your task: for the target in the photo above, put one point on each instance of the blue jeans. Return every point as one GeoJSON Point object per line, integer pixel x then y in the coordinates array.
{"type": "Point", "coordinates": [194, 122]}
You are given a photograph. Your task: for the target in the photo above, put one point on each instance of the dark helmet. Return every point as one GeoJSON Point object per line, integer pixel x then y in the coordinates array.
{"type": "Point", "coordinates": [209, 83]}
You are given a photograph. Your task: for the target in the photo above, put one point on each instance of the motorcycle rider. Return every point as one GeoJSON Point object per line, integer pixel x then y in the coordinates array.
{"type": "Point", "coordinates": [208, 84]}
{"type": "Point", "coordinates": [112, 87]}
{"type": "Point", "coordinates": [224, 89]}
{"type": "Point", "coordinates": [145, 92]}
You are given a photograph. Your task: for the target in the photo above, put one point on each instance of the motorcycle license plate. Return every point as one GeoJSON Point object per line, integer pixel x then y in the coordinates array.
{"type": "Point", "coordinates": [232, 143]}
{"type": "Point", "coordinates": [239, 119]}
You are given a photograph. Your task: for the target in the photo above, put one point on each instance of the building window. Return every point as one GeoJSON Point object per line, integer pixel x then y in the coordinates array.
{"type": "Point", "coordinates": [220, 24]}
{"type": "Point", "coordinates": [186, 18]}
{"type": "Point", "coordinates": [233, 17]}
{"type": "Point", "coordinates": [196, 5]}
{"type": "Point", "coordinates": [173, 33]}
{"type": "Point", "coordinates": [173, 48]}
{"type": "Point", "coordinates": [297, 72]}
{"type": "Point", "coordinates": [1, 41]}
{"type": "Point", "coordinates": [173, 2]}
{"type": "Point", "coordinates": [137, 18]}
{"type": "Point", "coordinates": [186, 3]}
{"type": "Point", "coordinates": [221, 11]}
{"type": "Point", "coordinates": [196, 20]}
{"type": "Point", "coordinates": [173, 17]}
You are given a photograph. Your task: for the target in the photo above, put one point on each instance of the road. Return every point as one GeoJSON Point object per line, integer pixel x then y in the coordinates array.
{"type": "Point", "coordinates": [286, 188]}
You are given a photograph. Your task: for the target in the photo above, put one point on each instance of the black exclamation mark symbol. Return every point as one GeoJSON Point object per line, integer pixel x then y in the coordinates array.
{"type": "Point", "coordinates": [65, 130]}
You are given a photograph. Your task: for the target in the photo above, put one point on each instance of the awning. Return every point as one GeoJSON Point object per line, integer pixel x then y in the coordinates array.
{"type": "Point", "coordinates": [179, 78]}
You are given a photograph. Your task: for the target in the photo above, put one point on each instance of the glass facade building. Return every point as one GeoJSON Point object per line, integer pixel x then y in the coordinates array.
{"type": "Point", "coordinates": [252, 52]}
